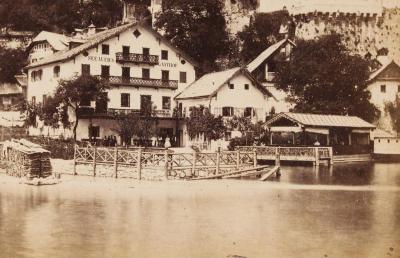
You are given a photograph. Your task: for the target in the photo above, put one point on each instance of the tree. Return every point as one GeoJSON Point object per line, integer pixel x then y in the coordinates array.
{"type": "Point", "coordinates": [262, 32]}
{"type": "Point", "coordinates": [323, 77]}
{"type": "Point", "coordinates": [197, 27]}
{"type": "Point", "coordinates": [11, 63]}
{"type": "Point", "coordinates": [71, 93]}
{"type": "Point", "coordinates": [202, 123]}
{"type": "Point", "coordinates": [394, 111]}
{"type": "Point", "coordinates": [127, 127]}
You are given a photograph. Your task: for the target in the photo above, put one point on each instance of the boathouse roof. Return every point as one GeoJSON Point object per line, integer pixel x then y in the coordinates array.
{"type": "Point", "coordinates": [317, 120]}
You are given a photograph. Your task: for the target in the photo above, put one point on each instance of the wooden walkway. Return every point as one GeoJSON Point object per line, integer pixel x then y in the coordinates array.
{"type": "Point", "coordinates": [277, 153]}
{"type": "Point", "coordinates": [171, 165]}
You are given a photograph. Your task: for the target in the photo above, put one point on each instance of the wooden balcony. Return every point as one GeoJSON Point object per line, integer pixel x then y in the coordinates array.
{"type": "Point", "coordinates": [136, 58]}
{"type": "Point", "coordinates": [140, 82]}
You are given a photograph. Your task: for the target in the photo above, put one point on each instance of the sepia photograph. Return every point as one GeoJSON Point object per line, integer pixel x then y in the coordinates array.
{"type": "Point", "coordinates": [200, 128]}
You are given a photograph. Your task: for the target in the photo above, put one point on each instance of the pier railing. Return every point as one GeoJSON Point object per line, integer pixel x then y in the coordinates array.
{"type": "Point", "coordinates": [313, 154]}
{"type": "Point", "coordinates": [144, 163]}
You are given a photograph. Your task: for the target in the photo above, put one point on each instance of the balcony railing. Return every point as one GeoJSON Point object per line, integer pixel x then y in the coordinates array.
{"type": "Point", "coordinates": [136, 58]}
{"type": "Point", "coordinates": [254, 112]}
{"type": "Point", "coordinates": [140, 82]}
{"type": "Point", "coordinates": [112, 112]}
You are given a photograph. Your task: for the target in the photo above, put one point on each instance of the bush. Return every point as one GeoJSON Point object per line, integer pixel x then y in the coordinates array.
{"type": "Point", "coordinates": [240, 141]}
{"type": "Point", "coordinates": [59, 148]}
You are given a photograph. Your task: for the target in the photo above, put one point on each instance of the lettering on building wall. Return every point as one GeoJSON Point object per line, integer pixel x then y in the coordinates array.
{"type": "Point", "coordinates": [101, 59]}
{"type": "Point", "coordinates": [168, 65]}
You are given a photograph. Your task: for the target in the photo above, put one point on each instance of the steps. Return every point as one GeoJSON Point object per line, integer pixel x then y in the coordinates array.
{"type": "Point", "coordinates": [352, 158]}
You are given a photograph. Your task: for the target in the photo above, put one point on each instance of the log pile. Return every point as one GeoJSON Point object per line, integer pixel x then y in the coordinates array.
{"type": "Point", "coordinates": [26, 159]}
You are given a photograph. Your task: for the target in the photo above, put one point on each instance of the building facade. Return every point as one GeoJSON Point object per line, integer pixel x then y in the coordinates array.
{"type": "Point", "coordinates": [139, 64]}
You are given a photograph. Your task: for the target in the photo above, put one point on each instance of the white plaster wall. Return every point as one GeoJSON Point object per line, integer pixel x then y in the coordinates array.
{"type": "Point", "coordinates": [380, 98]}
{"type": "Point", "coordinates": [387, 145]}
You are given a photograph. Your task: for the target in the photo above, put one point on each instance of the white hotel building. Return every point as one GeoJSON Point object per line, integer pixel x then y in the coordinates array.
{"type": "Point", "coordinates": [141, 65]}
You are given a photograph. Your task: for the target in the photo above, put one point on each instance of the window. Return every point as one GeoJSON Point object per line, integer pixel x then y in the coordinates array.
{"type": "Point", "coordinates": [227, 111]}
{"type": "Point", "coordinates": [145, 104]}
{"type": "Point", "coordinates": [165, 75]}
{"type": "Point", "coordinates": [248, 112]}
{"type": "Point", "coordinates": [105, 49]}
{"type": "Point", "coordinates": [146, 51]}
{"type": "Point", "coordinates": [36, 75]}
{"type": "Point", "coordinates": [383, 88]}
{"type": "Point", "coordinates": [56, 71]}
{"type": "Point", "coordinates": [182, 77]}
{"type": "Point", "coordinates": [164, 54]}
{"type": "Point", "coordinates": [126, 73]}
{"type": "Point", "coordinates": [85, 69]}
{"type": "Point", "coordinates": [231, 86]}
{"type": "Point", "coordinates": [145, 73]}
{"type": "Point", "coordinates": [246, 87]}
{"type": "Point", "coordinates": [228, 136]}
{"type": "Point", "coordinates": [105, 71]}
{"type": "Point", "coordinates": [125, 100]}
{"type": "Point", "coordinates": [94, 131]}
{"type": "Point", "coordinates": [125, 51]}
{"type": "Point", "coordinates": [33, 100]}
{"type": "Point", "coordinates": [166, 102]}
{"type": "Point", "coordinates": [44, 98]}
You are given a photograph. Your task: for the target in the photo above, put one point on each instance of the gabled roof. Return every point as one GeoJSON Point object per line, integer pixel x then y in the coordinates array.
{"type": "Point", "coordinates": [315, 120]}
{"type": "Point", "coordinates": [209, 84]}
{"type": "Point", "coordinates": [57, 41]}
{"type": "Point", "coordinates": [97, 39]}
{"type": "Point", "coordinates": [267, 54]}
{"type": "Point", "coordinates": [384, 66]}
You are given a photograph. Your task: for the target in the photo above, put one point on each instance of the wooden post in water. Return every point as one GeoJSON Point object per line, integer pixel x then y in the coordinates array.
{"type": "Point", "coordinates": [237, 159]}
{"type": "Point", "coordinates": [330, 156]}
{"type": "Point", "coordinates": [94, 161]}
{"type": "Point", "coordinates": [277, 157]}
{"type": "Point", "coordinates": [75, 149]}
{"type": "Point", "coordinates": [166, 163]}
{"type": "Point", "coordinates": [116, 162]}
{"type": "Point", "coordinates": [194, 163]}
{"type": "Point", "coordinates": [139, 163]}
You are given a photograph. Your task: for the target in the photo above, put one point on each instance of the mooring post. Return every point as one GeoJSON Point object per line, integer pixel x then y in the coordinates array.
{"type": "Point", "coordinates": [75, 150]}
{"type": "Point", "coordinates": [255, 157]}
{"type": "Point", "coordinates": [237, 159]}
{"type": "Point", "coordinates": [277, 157]}
{"type": "Point", "coordinates": [139, 163]}
{"type": "Point", "coordinates": [166, 163]}
{"type": "Point", "coordinates": [194, 163]}
{"type": "Point", "coordinates": [330, 156]}
{"type": "Point", "coordinates": [116, 162]}
{"type": "Point", "coordinates": [94, 161]}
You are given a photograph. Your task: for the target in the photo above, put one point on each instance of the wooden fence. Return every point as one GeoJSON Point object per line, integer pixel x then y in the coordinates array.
{"type": "Point", "coordinates": [312, 154]}
{"type": "Point", "coordinates": [156, 164]}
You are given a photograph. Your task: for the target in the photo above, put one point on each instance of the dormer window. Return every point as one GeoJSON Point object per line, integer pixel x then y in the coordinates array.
{"type": "Point", "coordinates": [105, 49]}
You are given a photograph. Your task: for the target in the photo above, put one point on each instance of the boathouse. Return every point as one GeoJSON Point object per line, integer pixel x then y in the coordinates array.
{"type": "Point", "coordinates": [347, 134]}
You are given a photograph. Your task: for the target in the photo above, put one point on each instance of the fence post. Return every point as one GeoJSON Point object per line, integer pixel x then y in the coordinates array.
{"type": "Point", "coordinates": [94, 161]}
{"type": "Point", "coordinates": [166, 164]}
{"type": "Point", "coordinates": [116, 162]}
{"type": "Point", "coordinates": [255, 158]}
{"type": "Point", "coordinates": [194, 163]}
{"type": "Point", "coordinates": [238, 159]}
{"type": "Point", "coordinates": [139, 163]}
{"type": "Point", "coordinates": [330, 156]}
{"type": "Point", "coordinates": [316, 156]}
{"type": "Point", "coordinates": [277, 157]}
{"type": "Point", "coordinates": [218, 162]}
{"type": "Point", "coordinates": [75, 149]}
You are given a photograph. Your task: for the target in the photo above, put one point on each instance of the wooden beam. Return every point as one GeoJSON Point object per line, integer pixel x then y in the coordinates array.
{"type": "Point", "coordinates": [232, 173]}
{"type": "Point", "coordinates": [270, 173]}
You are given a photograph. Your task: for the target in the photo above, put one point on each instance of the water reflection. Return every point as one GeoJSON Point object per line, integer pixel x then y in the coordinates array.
{"type": "Point", "coordinates": [79, 218]}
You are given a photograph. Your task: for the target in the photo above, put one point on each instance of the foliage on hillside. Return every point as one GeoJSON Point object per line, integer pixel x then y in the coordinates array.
{"type": "Point", "coordinates": [394, 111]}
{"type": "Point", "coordinates": [323, 77]}
{"type": "Point", "coordinates": [58, 15]}
{"type": "Point", "coordinates": [11, 63]}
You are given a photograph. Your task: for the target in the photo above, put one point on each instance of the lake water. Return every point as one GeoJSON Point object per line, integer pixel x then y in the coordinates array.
{"type": "Point", "coordinates": [347, 211]}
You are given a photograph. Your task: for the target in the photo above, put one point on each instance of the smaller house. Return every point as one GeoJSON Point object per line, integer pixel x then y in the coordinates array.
{"type": "Point", "coordinates": [320, 130]}
{"type": "Point", "coordinates": [263, 68]}
{"type": "Point", "coordinates": [10, 96]}
{"type": "Point", "coordinates": [384, 85]}
{"type": "Point", "coordinates": [229, 93]}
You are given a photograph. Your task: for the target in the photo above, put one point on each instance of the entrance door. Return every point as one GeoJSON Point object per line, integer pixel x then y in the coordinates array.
{"type": "Point", "coordinates": [125, 52]}
{"type": "Point", "coordinates": [126, 74]}
{"type": "Point", "coordinates": [145, 105]}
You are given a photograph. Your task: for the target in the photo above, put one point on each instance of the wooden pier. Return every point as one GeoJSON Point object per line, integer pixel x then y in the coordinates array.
{"type": "Point", "coordinates": [316, 155]}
